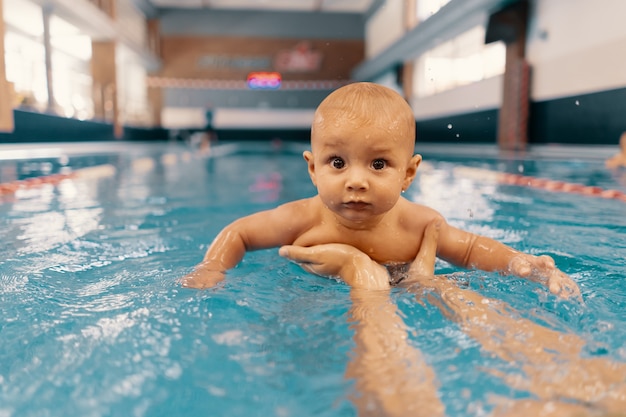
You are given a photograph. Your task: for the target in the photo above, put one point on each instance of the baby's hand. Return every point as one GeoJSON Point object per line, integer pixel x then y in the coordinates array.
{"type": "Point", "coordinates": [338, 260]}
{"type": "Point", "coordinates": [542, 269]}
{"type": "Point", "coordinates": [202, 278]}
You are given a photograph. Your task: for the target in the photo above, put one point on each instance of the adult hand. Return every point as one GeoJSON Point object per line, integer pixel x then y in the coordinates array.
{"type": "Point", "coordinates": [424, 263]}
{"type": "Point", "coordinates": [342, 261]}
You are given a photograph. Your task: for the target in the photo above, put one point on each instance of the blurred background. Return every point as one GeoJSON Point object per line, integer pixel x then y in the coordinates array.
{"type": "Point", "coordinates": [507, 72]}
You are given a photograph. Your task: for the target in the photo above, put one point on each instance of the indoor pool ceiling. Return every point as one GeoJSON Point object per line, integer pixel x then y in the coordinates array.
{"type": "Point", "coordinates": [339, 6]}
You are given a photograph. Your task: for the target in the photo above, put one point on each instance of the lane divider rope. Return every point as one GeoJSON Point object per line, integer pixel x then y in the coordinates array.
{"type": "Point", "coordinates": [106, 170]}
{"type": "Point", "coordinates": [540, 183]}
{"type": "Point", "coordinates": [98, 171]}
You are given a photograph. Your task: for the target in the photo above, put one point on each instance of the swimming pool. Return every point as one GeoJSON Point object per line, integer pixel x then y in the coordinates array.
{"type": "Point", "coordinates": [94, 322]}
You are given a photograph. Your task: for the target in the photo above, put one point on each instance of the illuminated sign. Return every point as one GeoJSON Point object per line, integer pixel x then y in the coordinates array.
{"type": "Point", "coordinates": [264, 80]}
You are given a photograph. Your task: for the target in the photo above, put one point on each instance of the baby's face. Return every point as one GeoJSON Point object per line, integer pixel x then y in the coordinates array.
{"type": "Point", "coordinates": [360, 167]}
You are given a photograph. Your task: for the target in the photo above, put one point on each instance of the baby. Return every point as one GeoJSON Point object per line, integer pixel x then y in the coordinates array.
{"type": "Point", "coordinates": [361, 161]}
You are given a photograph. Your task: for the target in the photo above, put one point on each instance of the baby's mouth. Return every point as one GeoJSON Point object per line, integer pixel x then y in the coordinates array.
{"type": "Point", "coordinates": [356, 205]}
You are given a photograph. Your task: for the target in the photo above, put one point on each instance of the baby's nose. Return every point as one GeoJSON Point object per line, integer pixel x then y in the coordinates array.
{"type": "Point", "coordinates": [357, 180]}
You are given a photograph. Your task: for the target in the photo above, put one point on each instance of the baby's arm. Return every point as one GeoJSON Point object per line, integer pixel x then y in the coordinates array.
{"type": "Point", "coordinates": [266, 229]}
{"type": "Point", "coordinates": [479, 252]}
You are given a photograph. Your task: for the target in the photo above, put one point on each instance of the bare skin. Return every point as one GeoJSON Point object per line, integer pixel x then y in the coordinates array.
{"type": "Point", "coordinates": [390, 374]}
{"type": "Point", "coordinates": [619, 159]}
{"type": "Point", "coordinates": [552, 365]}
{"type": "Point", "coordinates": [361, 159]}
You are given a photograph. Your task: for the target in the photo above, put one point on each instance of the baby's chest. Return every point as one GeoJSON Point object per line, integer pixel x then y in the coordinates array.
{"type": "Point", "coordinates": [383, 245]}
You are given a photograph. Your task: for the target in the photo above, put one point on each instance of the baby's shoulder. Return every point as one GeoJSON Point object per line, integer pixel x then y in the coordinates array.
{"type": "Point", "coordinates": [417, 215]}
{"type": "Point", "coordinates": [412, 208]}
{"type": "Point", "coordinates": [306, 210]}
{"type": "Point", "coordinates": [310, 204]}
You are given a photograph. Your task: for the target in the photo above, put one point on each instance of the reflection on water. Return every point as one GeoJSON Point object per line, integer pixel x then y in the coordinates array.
{"type": "Point", "coordinates": [94, 322]}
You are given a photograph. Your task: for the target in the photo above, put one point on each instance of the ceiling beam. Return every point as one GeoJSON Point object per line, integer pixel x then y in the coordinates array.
{"type": "Point", "coordinates": [451, 20]}
{"type": "Point", "coordinates": [84, 15]}
{"type": "Point", "coordinates": [98, 26]}
{"type": "Point", "coordinates": [147, 8]}
{"type": "Point", "coordinates": [371, 11]}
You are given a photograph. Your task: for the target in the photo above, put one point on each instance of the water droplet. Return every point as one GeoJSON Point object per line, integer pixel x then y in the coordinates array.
{"type": "Point", "coordinates": [577, 103]}
{"type": "Point", "coordinates": [457, 135]}
{"type": "Point", "coordinates": [449, 125]}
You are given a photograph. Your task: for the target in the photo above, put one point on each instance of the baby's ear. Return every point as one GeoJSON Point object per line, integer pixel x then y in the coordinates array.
{"type": "Point", "coordinates": [308, 157]}
{"type": "Point", "coordinates": [411, 170]}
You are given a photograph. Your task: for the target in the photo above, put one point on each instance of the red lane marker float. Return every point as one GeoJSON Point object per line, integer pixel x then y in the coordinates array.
{"type": "Point", "coordinates": [12, 187]}
{"type": "Point", "coordinates": [98, 171]}
{"type": "Point", "coordinates": [541, 183]}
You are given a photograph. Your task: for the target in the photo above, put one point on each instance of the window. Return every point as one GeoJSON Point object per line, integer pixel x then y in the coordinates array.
{"type": "Point", "coordinates": [426, 8]}
{"type": "Point", "coordinates": [132, 94]}
{"type": "Point", "coordinates": [26, 62]}
{"type": "Point", "coordinates": [460, 61]}
{"type": "Point", "coordinates": [24, 52]}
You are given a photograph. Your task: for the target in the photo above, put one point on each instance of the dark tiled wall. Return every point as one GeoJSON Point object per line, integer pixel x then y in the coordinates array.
{"type": "Point", "coordinates": [41, 127]}
{"type": "Point", "coordinates": [597, 118]}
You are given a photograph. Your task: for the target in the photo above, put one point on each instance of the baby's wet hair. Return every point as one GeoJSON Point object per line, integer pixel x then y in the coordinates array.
{"type": "Point", "coordinates": [370, 102]}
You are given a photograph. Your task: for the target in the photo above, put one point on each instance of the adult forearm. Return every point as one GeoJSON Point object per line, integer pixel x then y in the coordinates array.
{"type": "Point", "coordinates": [391, 376]}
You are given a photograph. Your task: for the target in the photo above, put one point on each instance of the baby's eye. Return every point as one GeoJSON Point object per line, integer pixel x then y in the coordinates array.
{"type": "Point", "coordinates": [378, 164]}
{"type": "Point", "coordinates": [337, 162]}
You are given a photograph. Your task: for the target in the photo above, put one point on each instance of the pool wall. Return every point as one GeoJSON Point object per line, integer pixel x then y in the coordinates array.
{"type": "Point", "coordinates": [31, 126]}
{"type": "Point", "coordinates": [594, 119]}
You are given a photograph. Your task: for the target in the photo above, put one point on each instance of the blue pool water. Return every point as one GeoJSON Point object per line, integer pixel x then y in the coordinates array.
{"type": "Point", "coordinates": [94, 322]}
